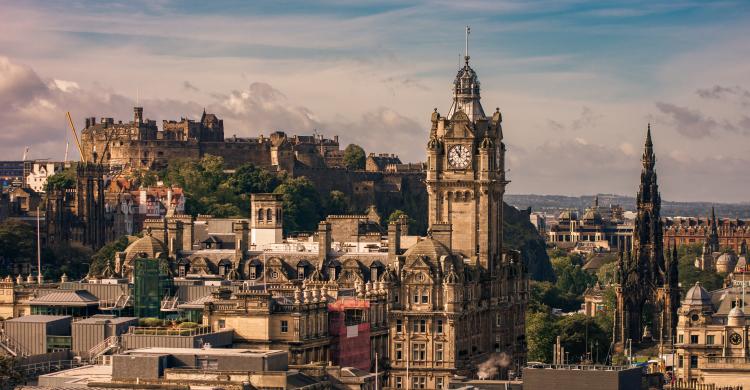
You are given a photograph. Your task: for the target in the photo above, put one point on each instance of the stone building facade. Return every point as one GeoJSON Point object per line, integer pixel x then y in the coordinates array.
{"type": "Point", "coordinates": [712, 338]}
{"type": "Point", "coordinates": [729, 233]}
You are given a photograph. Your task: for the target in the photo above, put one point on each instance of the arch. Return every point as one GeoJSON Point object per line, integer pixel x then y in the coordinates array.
{"type": "Point", "coordinates": [269, 215]}
{"type": "Point", "coordinates": [260, 215]}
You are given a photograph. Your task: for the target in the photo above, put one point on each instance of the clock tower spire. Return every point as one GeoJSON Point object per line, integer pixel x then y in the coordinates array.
{"type": "Point", "coordinates": [466, 174]}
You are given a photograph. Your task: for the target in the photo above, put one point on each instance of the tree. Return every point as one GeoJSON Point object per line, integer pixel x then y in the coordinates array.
{"type": "Point", "coordinates": [337, 204]}
{"type": "Point", "coordinates": [397, 215]}
{"type": "Point", "coordinates": [301, 203]}
{"type": "Point", "coordinates": [541, 333]}
{"type": "Point", "coordinates": [62, 180]}
{"type": "Point", "coordinates": [105, 256]}
{"type": "Point", "coordinates": [687, 272]}
{"type": "Point", "coordinates": [571, 277]}
{"type": "Point", "coordinates": [579, 333]}
{"type": "Point", "coordinates": [354, 157]}
{"type": "Point", "coordinates": [17, 243]}
{"type": "Point", "coordinates": [10, 375]}
{"type": "Point", "coordinates": [249, 179]}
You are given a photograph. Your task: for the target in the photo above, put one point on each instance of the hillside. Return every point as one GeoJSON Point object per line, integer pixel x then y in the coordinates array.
{"type": "Point", "coordinates": [556, 203]}
{"type": "Point", "coordinates": [521, 235]}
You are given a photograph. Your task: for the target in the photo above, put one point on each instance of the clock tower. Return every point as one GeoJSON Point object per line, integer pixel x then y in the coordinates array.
{"type": "Point", "coordinates": [466, 175]}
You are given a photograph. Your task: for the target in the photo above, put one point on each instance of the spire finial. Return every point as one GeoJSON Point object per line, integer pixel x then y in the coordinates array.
{"type": "Point", "coordinates": [466, 56]}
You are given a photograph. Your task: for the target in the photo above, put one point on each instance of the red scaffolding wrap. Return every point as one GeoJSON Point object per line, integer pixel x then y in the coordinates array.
{"type": "Point", "coordinates": [349, 325]}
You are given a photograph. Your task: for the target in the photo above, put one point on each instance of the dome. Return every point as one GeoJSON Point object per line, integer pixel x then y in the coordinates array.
{"type": "Point", "coordinates": [147, 246]}
{"type": "Point", "coordinates": [725, 262]}
{"type": "Point", "coordinates": [697, 296]}
{"type": "Point", "coordinates": [592, 215]}
{"type": "Point", "coordinates": [567, 215]}
{"type": "Point", "coordinates": [428, 247]}
{"type": "Point", "coordinates": [736, 317]}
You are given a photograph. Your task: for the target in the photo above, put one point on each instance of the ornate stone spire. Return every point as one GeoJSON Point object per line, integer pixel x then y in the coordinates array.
{"type": "Point", "coordinates": [466, 96]}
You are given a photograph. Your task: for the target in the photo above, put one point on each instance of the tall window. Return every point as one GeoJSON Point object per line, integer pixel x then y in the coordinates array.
{"type": "Point", "coordinates": [419, 326]}
{"type": "Point", "coordinates": [419, 352]}
{"type": "Point", "coordinates": [399, 326]}
{"type": "Point", "coordinates": [420, 382]}
{"type": "Point", "coordinates": [416, 297]}
{"type": "Point", "coordinates": [260, 215]}
{"type": "Point", "coordinates": [439, 383]}
{"type": "Point", "coordinates": [269, 215]}
{"type": "Point", "coordinates": [710, 339]}
{"type": "Point", "coordinates": [439, 352]}
{"type": "Point", "coordinates": [399, 351]}
{"type": "Point", "coordinates": [680, 339]}
{"type": "Point", "coordinates": [425, 298]}
{"type": "Point", "coordinates": [399, 382]}
{"type": "Point", "coordinates": [439, 326]}
{"type": "Point", "coordinates": [693, 361]}
{"type": "Point", "coordinates": [284, 326]}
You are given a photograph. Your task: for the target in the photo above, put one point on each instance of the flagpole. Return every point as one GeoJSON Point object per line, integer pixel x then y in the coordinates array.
{"type": "Point", "coordinates": [38, 249]}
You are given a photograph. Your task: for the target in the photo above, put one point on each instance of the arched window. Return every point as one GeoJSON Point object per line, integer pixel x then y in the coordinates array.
{"type": "Point", "coordinates": [269, 215]}
{"type": "Point", "coordinates": [260, 215]}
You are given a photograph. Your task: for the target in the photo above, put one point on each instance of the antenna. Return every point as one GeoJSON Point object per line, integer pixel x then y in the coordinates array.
{"type": "Point", "coordinates": [137, 97]}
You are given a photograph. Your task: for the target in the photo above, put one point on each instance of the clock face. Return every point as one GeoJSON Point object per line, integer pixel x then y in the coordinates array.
{"type": "Point", "coordinates": [459, 156]}
{"type": "Point", "coordinates": [735, 338]}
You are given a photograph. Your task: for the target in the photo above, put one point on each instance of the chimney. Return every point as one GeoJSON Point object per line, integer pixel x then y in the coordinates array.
{"type": "Point", "coordinates": [394, 241]}
{"type": "Point", "coordinates": [442, 233]}
{"type": "Point", "coordinates": [324, 242]}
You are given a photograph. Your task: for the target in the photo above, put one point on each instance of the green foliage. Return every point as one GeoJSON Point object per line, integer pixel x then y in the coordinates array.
{"type": "Point", "coordinates": [144, 177]}
{"type": "Point", "coordinates": [396, 215]}
{"type": "Point", "coordinates": [17, 242]}
{"type": "Point", "coordinates": [571, 278]}
{"type": "Point", "coordinates": [301, 203]}
{"type": "Point", "coordinates": [540, 336]}
{"type": "Point", "coordinates": [336, 203]}
{"type": "Point", "coordinates": [689, 274]}
{"type": "Point", "coordinates": [580, 334]}
{"type": "Point", "coordinates": [188, 325]}
{"type": "Point", "coordinates": [61, 181]}
{"type": "Point", "coordinates": [354, 157]}
{"type": "Point", "coordinates": [546, 296]}
{"type": "Point", "coordinates": [10, 375]}
{"type": "Point", "coordinates": [71, 260]}
{"type": "Point", "coordinates": [150, 321]}
{"type": "Point", "coordinates": [106, 255]}
{"type": "Point", "coordinates": [249, 179]}
{"type": "Point", "coordinates": [606, 274]}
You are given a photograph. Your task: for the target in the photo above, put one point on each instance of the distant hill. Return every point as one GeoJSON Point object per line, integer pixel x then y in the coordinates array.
{"type": "Point", "coordinates": [556, 203]}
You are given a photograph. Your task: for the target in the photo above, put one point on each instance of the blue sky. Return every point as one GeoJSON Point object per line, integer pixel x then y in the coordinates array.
{"type": "Point", "coordinates": [577, 81]}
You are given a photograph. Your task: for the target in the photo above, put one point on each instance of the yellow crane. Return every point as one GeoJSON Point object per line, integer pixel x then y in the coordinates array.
{"type": "Point", "coordinates": [75, 134]}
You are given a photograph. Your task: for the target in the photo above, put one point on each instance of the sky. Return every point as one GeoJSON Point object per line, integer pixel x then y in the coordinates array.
{"type": "Point", "coordinates": [577, 82]}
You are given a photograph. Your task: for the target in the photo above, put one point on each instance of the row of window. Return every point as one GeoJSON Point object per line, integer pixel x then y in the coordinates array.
{"type": "Point", "coordinates": [419, 352]}
{"type": "Point", "coordinates": [418, 382]}
{"type": "Point", "coordinates": [268, 214]}
{"type": "Point", "coordinates": [420, 326]}
{"type": "Point", "coordinates": [710, 339]}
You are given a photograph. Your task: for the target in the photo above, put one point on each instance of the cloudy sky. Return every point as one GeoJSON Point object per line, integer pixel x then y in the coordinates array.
{"type": "Point", "coordinates": [577, 81]}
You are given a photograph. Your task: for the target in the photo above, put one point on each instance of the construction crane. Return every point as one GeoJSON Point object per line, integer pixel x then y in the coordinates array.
{"type": "Point", "coordinates": [75, 134]}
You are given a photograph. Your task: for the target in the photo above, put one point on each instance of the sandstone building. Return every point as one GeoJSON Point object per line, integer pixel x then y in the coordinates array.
{"type": "Point", "coordinates": [712, 331]}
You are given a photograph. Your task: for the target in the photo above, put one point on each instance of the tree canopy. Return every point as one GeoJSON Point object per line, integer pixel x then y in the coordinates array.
{"type": "Point", "coordinates": [62, 180]}
{"type": "Point", "coordinates": [354, 157]}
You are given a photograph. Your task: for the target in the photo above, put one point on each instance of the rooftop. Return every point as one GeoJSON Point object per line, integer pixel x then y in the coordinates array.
{"type": "Point", "coordinates": [206, 351]}
{"type": "Point", "coordinates": [38, 318]}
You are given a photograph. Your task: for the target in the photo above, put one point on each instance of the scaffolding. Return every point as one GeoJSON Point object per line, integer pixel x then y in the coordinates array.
{"type": "Point", "coordinates": [349, 325]}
